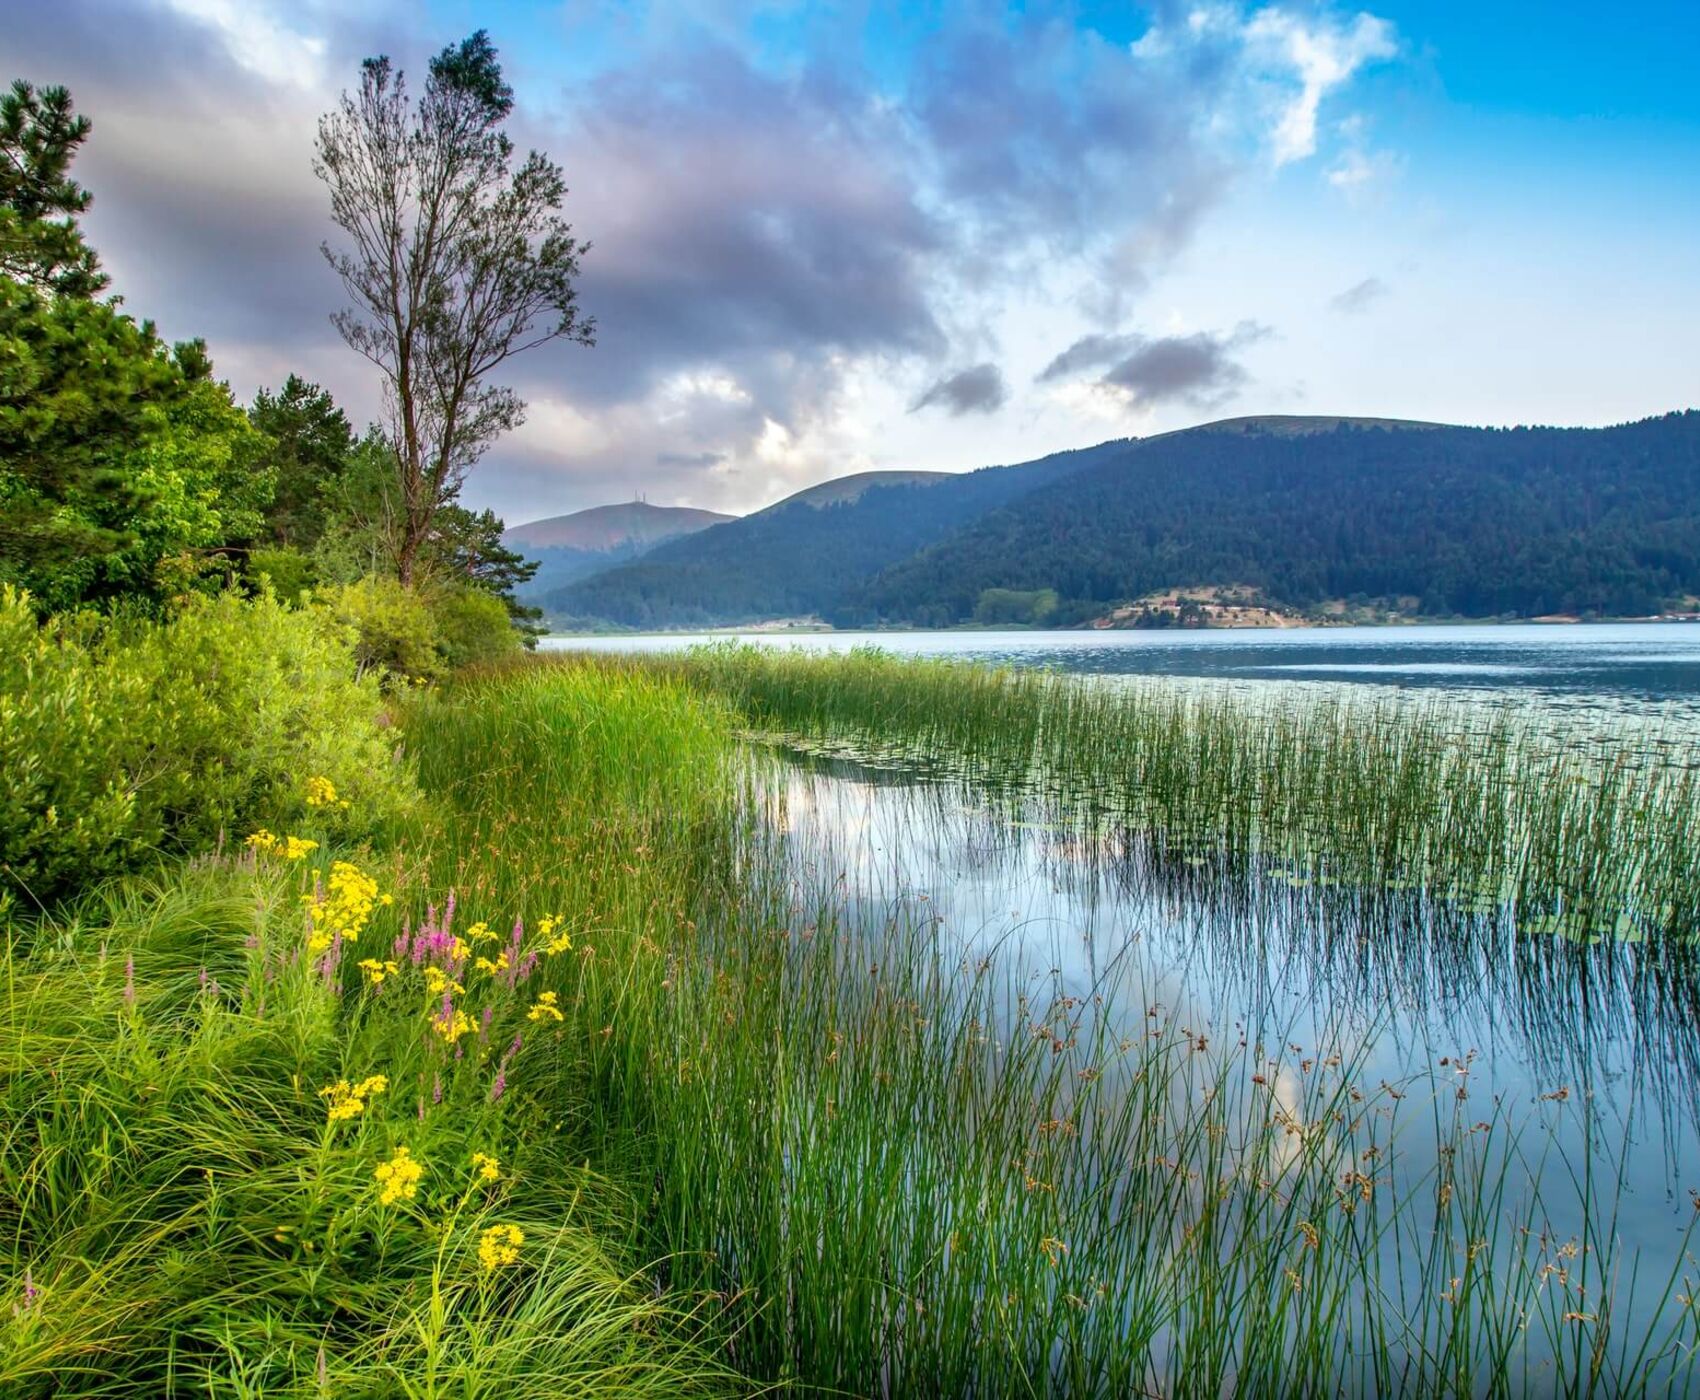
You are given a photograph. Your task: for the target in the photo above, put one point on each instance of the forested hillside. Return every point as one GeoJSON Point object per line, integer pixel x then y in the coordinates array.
{"type": "Point", "coordinates": [800, 557]}
{"type": "Point", "coordinates": [1439, 520]}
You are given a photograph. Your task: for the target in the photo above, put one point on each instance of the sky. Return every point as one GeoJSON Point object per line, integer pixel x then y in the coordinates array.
{"type": "Point", "coordinates": [829, 239]}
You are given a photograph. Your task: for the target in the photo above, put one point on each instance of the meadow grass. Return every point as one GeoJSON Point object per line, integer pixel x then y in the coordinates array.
{"type": "Point", "coordinates": [763, 1136]}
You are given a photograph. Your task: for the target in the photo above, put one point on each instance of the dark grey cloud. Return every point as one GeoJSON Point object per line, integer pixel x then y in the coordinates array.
{"type": "Point", "coordinates": [1198, 369]}
{"type": "Point", "coordinates": [1038, 128]}
{"type": "Point", "coordinates": [1360, 296]}
{"type": "Point", "coordinates": [978, 389]}
{"type": "Point", "coordinates": [1088, 352]}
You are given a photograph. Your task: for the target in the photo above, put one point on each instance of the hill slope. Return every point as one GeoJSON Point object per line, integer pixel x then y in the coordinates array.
{"type": "Point", "coordinates": [569, 547]}
{"type": "Point", "coordinates": [1468, 521]}
{"type": "Point", "coordinates": [808, 552]}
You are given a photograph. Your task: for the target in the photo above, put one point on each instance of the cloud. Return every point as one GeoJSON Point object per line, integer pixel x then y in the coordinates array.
{"type": "Point", "coordinates": [780, 233]}
{"type": "Point", "coordinates": [1360, 296]}
{"type": "Point", "coordinates": [1321, 54]}
{"type": "Point", "coordinates": [1143, 372]}
{"type": "Point", "coordinates": [979, 389]}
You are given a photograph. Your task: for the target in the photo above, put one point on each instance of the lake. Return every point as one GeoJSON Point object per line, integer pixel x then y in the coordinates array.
{"type": "Point", "coordinates": [1634, 665]}
{"type": "Point", "coordinates": [1577, 1059]}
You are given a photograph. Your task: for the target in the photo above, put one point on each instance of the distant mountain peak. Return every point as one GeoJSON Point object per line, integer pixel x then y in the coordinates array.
{"type": "Point", "coordinates": [631, 523]}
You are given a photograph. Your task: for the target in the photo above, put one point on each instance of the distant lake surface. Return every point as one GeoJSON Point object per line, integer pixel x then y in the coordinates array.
{"type": "Point", "coordinates": [1628, 666]}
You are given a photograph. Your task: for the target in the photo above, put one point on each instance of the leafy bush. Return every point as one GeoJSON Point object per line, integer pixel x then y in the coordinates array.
{"type": "Point", "coordinates": [393, 627]}
{"type": "Point", "coordinates": [120, 738]}
{"type": "Point", "coordinates": [472, 626]}
{"type": "Point", "coordinates": [287, 571]}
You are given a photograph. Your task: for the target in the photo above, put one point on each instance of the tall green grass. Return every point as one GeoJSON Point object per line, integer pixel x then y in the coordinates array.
{"type": "Point", "coordinates": [1586, 831]}
{"type": "Point", "coordinates": [886, 1171]}
{"type": "Point", "coordinates": [776, 1139]}
{"type": "Point", "coordinates": [179, 1217]}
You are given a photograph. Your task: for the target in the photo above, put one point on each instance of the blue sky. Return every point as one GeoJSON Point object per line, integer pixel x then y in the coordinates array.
{"type": "Point", "coordinates": [830, 239]}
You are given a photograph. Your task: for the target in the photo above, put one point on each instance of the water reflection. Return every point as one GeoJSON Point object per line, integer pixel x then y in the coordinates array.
{"type": "Point", "coordinates": [1445, 998]}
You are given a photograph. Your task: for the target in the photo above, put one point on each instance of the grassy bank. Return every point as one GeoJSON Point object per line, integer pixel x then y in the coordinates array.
{"type": "Point", "coordinates": [684, 1119]}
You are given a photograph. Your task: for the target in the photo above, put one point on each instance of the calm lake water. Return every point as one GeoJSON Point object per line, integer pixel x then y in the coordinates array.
{"type": "Point", "coordinates": [1650, 666]}
{"type": "Point", "coordinates": [1568, 1044]}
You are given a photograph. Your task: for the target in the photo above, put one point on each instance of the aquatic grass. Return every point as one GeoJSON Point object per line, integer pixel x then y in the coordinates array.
{"type": "Point", "coordinates": [1587, 831]}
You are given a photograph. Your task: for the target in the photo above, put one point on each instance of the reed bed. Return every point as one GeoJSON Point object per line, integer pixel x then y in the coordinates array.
{"type": "Point", "coordinates": [1586, 830]}
{"type": "Point", "coordinates": [877, 1168]}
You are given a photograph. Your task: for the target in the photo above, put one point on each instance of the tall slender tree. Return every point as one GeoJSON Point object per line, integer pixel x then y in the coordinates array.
{"type": "Point", "coordinates": [457, 260]}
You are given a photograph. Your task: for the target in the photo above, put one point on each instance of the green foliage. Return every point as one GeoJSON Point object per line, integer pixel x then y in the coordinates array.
{"type": "Point", "coordinates": [286, 572]}
{"type": "Point", "coordinates": [121, 739]}
{"type": "Point", "coordinates": [40, 243]}
{"type": "Point", "coordinates": [395, 635]}
{"type": "Point", "coordinates": [473, 627]}
{"type": "Point", "coordinates": [1015, 607]}
{"type": "Point", "coordinates": [310, 444]}
{"type": "Point", "coordinates": [1473, 522]}
{"type": "Point", "coordinates": [467, 545]}
{"type": "Point", "coordinates": [123, 468]}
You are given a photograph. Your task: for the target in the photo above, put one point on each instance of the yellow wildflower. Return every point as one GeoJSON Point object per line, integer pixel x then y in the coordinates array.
{"type": "Point", "coordinates": [544, 1008]}
{"type": "Point", "coordinates": [561, 942]}
{"type": "Point", "coordinates": [321, 792]}
{"type": "Point", "coordinates": [345, 907]}
{"type": "Point", "coordinates": [289, 847]}
{"type": "Point", "coordinates": [451, 1023]}
{"type": "Point", "coordinates": [399, 1178]}
{"type": "Point", "coordinates": [500, 964]}
{"type": "Point", "coordinates": [499, 1246]}
{"type": "Point", "coordinates": [480, 932]}
{"type": "Point", "coordinates": [345, 1100]}
{"type": "Point", "coordinates": [437, 982]}
{"type": "Point", "coordinates": [489, 1169]}
{"type": "Point", "coordinates": [376, 971]}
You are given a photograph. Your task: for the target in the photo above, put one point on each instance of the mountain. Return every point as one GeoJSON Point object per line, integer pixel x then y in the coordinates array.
{"type": "Point", "coordinates": [568, 547]}
{"type": "Point", "coordinates": [1426, 518]}
{"type": "Point", "coordinates": [807, 553]}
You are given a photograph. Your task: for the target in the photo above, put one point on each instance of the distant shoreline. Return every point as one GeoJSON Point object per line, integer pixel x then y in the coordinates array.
{"type": "Point", "coordinates": [1317, 625]}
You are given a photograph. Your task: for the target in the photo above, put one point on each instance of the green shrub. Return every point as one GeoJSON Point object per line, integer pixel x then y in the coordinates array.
{"type": "Point", "coordinates": [393, 628]}
{"type": "Point", "coordinates": [473, 626]}
{"type": "Point", "coordinates": [287, 571]}
{"type": "Point", "coordinates": [122, 738]}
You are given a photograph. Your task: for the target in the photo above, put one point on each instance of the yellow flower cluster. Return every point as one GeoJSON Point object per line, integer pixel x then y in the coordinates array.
{"type": "Point", "coordinates": [480, 932]}
{"type": "Point", "coordinates": [499, 1246]}
{"type": "Point", "coordinates": [345, 908]}
{"type": "Point", "coordinates": [499, 964]}
{"type": "Point", "coordinates": [437, 982]}
{"type": "Point", "coordinates": [399, 1177]}
{"type": "Point", "coordinates": [289, 847]}
{"type": "Point", "coordinates": [559, 943]}
{"type": "Point", "coordinates": [345, 1100]}
{"type": "Point", "coordinates": [544, 1008]}
{"type": "Point", "coordinates": [488, 1168]}
{"type": "Point", "coordinates": [321, 792]}
{"type": "Point", "coordinates": [376, 971]}
{"type": "Point", "coordinates": [451, 1024]}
